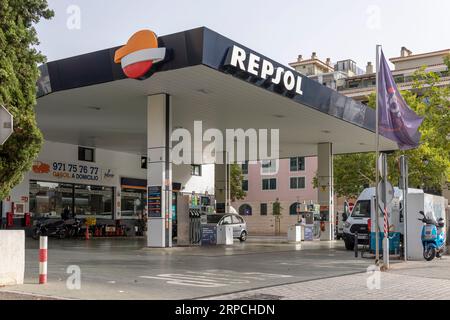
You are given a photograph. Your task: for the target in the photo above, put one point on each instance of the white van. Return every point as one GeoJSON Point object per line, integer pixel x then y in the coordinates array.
{"type": "Point", "coordinates": [362, 212]}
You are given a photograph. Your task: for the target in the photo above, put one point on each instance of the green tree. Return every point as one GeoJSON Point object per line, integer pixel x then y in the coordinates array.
{"type": "Point", "coordinates": [429, 164]}
{"type": "Point", "coordinates": [277, 208]}
{"type": "Point", "coordinates": [18, 75]}
{"type": "Point", "coordinates": [277, 211]}
{"type": "Point", "coordinates": [236, 178]}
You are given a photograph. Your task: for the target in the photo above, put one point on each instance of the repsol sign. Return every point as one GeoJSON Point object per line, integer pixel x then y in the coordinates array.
{"type": "Point", "coordinates": [256, 68]}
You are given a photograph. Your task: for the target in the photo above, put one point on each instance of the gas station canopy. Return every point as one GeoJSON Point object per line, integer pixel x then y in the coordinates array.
{"type": "Point", "coordinates": [88, 100]}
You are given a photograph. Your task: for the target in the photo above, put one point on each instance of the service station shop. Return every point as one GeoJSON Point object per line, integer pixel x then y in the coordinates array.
{"type": "Point", "coordinates": [107, 119]}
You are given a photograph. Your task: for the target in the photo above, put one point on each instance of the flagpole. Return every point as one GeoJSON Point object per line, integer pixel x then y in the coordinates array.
{"type": "Point", "coordinates": [377, 150]}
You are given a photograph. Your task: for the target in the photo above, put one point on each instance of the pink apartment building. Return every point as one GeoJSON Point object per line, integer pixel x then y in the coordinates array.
{"type": "Point", "coordinates": [291, 183]}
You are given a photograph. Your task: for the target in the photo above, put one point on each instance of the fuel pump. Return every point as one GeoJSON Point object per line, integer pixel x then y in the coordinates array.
{"type": "Point", "coordinates": [199, 208]}
{"type": "Point", "coordinates": [195, 233]}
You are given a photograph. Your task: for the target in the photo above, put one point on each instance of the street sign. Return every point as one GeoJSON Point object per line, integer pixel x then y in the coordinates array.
{"type": "Point", "coordinates": [389, 193]}
{"type": "Point", "coordinates": [6, 124]}
{"type": "Point", "coordinates": [380, 163]}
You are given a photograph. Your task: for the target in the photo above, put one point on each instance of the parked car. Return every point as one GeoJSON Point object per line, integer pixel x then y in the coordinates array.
{"type": "Point", "coordinates": [239, 225]}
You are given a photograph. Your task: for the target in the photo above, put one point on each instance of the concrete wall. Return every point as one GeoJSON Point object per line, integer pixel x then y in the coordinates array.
{"type": "Point", "coordinates": [12, 257]}
{"type": "Point", "coordinates": [419, 62]}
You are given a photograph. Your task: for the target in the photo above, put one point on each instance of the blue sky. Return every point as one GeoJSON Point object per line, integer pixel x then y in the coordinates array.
{"type": "Point", "coordinates": [280, 29]}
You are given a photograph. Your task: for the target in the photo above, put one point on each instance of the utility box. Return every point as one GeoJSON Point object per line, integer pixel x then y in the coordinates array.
{"type": "Point", "coordinates": [308, 232]}
{"type": "Point", "coordinates": [225, 235]}
{"type": "Point", "coordinates": [432, 206]}
{"type": "Point", "coordinates": [12, 257]}
{"type": "Point", "coordinates": [295, 233]}
{"type": "Point", "coordinates": [155, 233]}
{"type": "Point", "coordinates": [208, 235]}
{"type": "Point", "coordinates": [183, 221]}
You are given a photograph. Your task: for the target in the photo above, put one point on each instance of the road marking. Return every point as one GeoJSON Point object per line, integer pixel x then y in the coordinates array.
{"type": "Point", "coordinates": [214, 278]}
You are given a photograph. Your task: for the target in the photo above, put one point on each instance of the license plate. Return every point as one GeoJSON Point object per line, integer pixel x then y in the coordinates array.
{"type": "Point", "coordinates": [362, 236]}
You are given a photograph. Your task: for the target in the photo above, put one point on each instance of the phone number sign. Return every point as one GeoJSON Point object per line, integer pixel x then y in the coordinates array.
{"type": "Point", "coordinates": [70, 171]}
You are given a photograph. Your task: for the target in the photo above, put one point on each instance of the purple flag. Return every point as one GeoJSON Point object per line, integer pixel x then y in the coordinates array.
{"type": "Point", "coordinates": [396, 120]}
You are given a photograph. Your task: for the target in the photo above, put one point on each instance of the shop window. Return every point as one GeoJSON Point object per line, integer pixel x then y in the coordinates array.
{"type": "Point", "coordinates": [93, 201]}
{"type": "Point", "coordinates": [245, 210]}
{"type": "Point", "coordinates": [132, 203]}
{"type": "Point", "coordinates": [48, 199]}
{"type": "Point", "coordinates": [297, 164]}
{"type": "Point", "coordinates": [86, 154]}
{"type": "Point", "coordinates": [196, 170]}
{"type": "Point", "coordinates": [263, 209]}
{"type": "Point", "coordinates": [245, 185]}
{"type": "Point", "coordinates": [297, 182]}
{"type": "Point", "coordinates": [133, 194]}
{"type": "Point", "coordinates": [293, 208]}
{"type": "Point", "coordinates": [269, 184]}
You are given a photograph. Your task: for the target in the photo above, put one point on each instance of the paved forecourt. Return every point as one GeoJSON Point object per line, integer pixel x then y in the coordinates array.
{"type": "Point", "coordinates": [126, 269]}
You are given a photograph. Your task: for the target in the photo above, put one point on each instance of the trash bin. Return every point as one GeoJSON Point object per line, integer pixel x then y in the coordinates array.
{"type": "Point", "coordinates": [295, 233]}
{"type": "Point", "coordinates": [225, 235]}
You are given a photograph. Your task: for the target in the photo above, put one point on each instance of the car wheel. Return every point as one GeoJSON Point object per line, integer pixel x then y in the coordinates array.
{"type": "Point", "coordinates": [243, 236]}
{"type": "Point", "coordinates": [349, 245]}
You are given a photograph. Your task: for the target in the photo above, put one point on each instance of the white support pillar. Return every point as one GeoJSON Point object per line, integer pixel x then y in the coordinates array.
{"type": "Point", "coordinates": [325, 188]}
{"type": "Point", "coordinates": [159, 171]}
{"type": "Point", "coordinates": [221, 183]}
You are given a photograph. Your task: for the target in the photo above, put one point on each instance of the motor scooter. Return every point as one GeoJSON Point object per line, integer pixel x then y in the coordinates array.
{"type": "Point", "coordinates": [49, 227]}
{"type": "Point", "coordinates": [433, 237]}
{"type": "Point", "coordinates": [57, 228]}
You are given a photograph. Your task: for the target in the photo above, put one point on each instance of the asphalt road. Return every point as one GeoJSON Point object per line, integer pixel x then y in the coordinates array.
{"type": "Point", "coordinates": [126, 269]}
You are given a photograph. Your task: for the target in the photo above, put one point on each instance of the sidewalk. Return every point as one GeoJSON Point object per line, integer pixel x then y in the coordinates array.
{"type": "Point", "coordinates": [405, 281]}
{"type": "Point", "coordinates": [14, 295]}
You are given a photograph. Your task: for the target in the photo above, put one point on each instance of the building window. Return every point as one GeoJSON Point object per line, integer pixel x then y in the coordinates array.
{"type": "Point", "coordinates": [245, 185]}
{"type": "Point", "coordinates": [196, 170]}
{"type": "Point", "coordinates": [269, 167]}
{"type": "Point", "coordinates": [293, 208]}
{"type": "Point", "coordinates": [86, 154]}
{"type": "Point", "coordinates": [269, 184]}
{"type": "Point", "coordinates": [297, 182]}
{"type": "Point", "coordinates": [263, 209]}
{"type": "Point", "coordinates": [244, 167]}
{"type": "Point", "coordinates": [245, 210]}
{"type": "Point", "coordinates": [297, 164]}
{"type": "Point", "coordinates": [143, 162]}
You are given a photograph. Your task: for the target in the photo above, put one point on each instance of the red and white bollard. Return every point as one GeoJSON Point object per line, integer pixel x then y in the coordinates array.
{"type": "Point", "coordinates": [43, 260]}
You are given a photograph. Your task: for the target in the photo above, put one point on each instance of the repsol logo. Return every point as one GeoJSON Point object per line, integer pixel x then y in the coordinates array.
{"type": "Point", "coordinates": [263, 69]}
